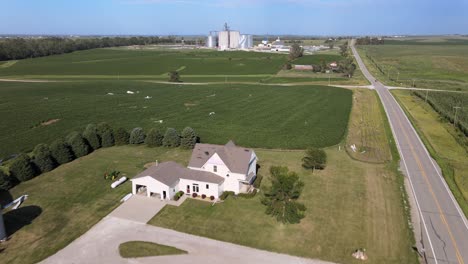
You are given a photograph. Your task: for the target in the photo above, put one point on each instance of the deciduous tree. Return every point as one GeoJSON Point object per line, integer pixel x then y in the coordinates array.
{"type": "Point", "coordinates": [314, 159]}
{"type": "Point", "coordinates": [281, 198]}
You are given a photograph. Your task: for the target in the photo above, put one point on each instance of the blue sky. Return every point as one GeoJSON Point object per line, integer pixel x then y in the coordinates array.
{"type": "Point", "coordinates": [182, 17]}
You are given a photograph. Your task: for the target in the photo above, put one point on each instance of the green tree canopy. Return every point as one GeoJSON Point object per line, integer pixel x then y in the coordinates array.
{"type": "Point", "coordinates": [174, 76]}
{"type": "Point", "coordinates": [154, 138]}
{"type": "Point", "coordinates": [6, 182]}
{"type": "Point", "coordinates": [188, 138]}
{"type": "Point", "coordinates": [78, 144]}
{"type": "Point", "coordinates": [106, 134]}
{"type": "Point", "coordinates": [137, 136]}
{"type": "Point", "coordinates": [314, 159]}
{"type": "Point", "coordinates": [121, 136]}
{"type": "Point", "coordinates": [281, 198]}
{"type": "Point", "coordinates": [43, 158]}
{"type": "Point", "coordinates": [61, 151]}
{"type": "Point", "coordinates": [22, 169]}
{"type": "Point", "coordinates": [171, 138]}
{"type": "Point", "coordinates": [295, 52]}
{"type": "Point", "coordinates": [91, 135]}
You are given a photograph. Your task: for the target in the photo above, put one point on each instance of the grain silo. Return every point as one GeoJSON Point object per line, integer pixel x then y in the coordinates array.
{"type": "Point", "coordinates": [234, 38]}
{"type": "Point", "coordinates": [250, 42]}
{"type": "Point", "coordinates": [223, 40]}
{"type": "Point", "coordinates": [246, 42]}
{"type": "Point", "coordinates": [212, 41]}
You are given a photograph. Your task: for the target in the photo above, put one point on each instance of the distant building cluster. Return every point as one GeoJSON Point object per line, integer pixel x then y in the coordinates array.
{"type": "Point", "coordinates": [229, 39]}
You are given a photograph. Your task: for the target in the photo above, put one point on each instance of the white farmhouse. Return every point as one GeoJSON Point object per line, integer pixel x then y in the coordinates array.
{"type": "Point", "coordinates": [212, 170]}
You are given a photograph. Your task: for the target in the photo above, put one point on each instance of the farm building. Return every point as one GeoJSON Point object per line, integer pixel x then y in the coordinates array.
{"type": "Point", "coordinates": [212, 170]}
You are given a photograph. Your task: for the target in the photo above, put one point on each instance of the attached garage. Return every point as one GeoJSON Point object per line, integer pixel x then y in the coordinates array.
{"type": "Point", "coordinates": [158, 181]}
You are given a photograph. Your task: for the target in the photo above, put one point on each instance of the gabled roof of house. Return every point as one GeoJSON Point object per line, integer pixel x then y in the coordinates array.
{"type": "Point", "coordinates": [170, 172]}
{"type": "Point", "coordinates": [236, 158]}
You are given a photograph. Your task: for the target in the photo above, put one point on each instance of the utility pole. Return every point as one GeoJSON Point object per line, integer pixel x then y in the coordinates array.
{"type": "Point", "coordinates": [456, 111]}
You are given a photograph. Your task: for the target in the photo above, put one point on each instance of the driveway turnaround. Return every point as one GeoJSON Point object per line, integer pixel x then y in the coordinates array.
{"type": "Point", "coordinates": [444, 227]}
{"type": "Point", "coordinates": [100, 245]}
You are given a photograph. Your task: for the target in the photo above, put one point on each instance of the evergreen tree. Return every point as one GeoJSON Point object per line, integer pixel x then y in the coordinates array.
{"type": "Point", "coordinates": [281, 198]}
{"type": "Point", "coordinates": [171, 138]}
{"type": "Point", "coordinates": [6, 182]}
{"type": "Point", "coordinates": [121, 136]}
{"type": "Point", "coordinates": [314, 159]}
{"type": "Point", "coordinates": [91, 136]}
{"type": "Point", "coordinates": [43, 158]}
{"type": "Point", "coordinates": [106, 134]}
{"type": "Point", "coordinates": [107, 139]}
{"type": "Point", "coordinates": [188, 138]}
{"type": "Point", "coordinates": [154, 138]}
{"type": "Point", "coordinates": [78, 144]}
{"type": "Point", "coordinates": [61, 152]}
{"type": "Point", "coordinates": [137, 136]}
{"type": "Point", "coordinates": [22, 169]}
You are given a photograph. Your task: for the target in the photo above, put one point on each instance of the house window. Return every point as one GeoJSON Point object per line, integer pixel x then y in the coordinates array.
{"type": "Point", "coordinates": [195, 188]}
{"type": "Point", "coordinates": [207, 186]}
{"type": "Point", "coordinates": [215, 168]}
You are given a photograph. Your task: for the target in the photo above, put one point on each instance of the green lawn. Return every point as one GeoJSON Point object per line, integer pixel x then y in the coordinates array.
{"type": "Point", "coordinates": [69, 200]}
{"type": "Point", "coordinates": [446, 145]}
{"type": "Point", "coordinates": [366, 128]}
{"type": "Point", "coordinates": [349, 205]}
{"type": "Point", "coordinates": [252, 115]}
{"type": "Point", "coordinates": [138, 249]}
{"type": "Point", "coordinates": [437, 65]}
{"type": "Point", "coordinates": [317, 59]}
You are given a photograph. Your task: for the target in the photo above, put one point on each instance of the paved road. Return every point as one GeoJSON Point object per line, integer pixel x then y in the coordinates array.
{"type": "Point", "coordinates": [444, 228]}
{"type": "Point", "coordinates": [128, 223]}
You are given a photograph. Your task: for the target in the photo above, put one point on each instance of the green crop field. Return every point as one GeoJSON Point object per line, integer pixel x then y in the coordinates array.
{"type": "Point", "coordinates": [446, 105]}
{"type": "Point", "coordinates": [436, 64]}
{"type": "Point", "coordinates": [114, 62]}
{"type": "Point", "coordinates": [252, 115]}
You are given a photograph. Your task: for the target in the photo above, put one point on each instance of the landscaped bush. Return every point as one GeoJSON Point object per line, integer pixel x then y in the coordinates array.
{"type": "Point", "coordinates": [188, 138]}
{"type": "Point", "coordinates": [154, 138]}
{"type": "Point", "coordinates": [22, 169]}
{"type": "Point", "coordinates": [6, 182]}
{"type": "Point", "coordinates": [194, 195]}
{"type": "Point", "coordinates": [212, 197]}
{"type": "Point", "coordinates": [248, 195]}
{"type": "Point", "coordinates": [171, 138]}
{"type": "Point", "coordinates": [137, 136]}
{"type": "Point", "coordinates": [106, 134]}
{"type": "Point", "coordinates": [258, 181]}
{"type": "Point", "coordinates": [226, 194]}
{"type": "Point", "coordinates": [78, 145]}
{"type": "Point", "coordinates": [121, 136]}
{"type": "Point", "coordinates": [178, 195]}
{"type": "Point", "coordinates": [203, 196]}
{"type": "Point", "coordinates": [43, 158]}
{"type": "Point", "coordinates": [61, 152]}
{"type": "Point", "coordinates": [91, 136]}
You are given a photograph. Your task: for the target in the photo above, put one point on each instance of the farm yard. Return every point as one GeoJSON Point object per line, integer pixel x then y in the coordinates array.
{"type": "Point", "coordinates": [252, 115]}
{"type": "Point", "coordinates": [431, 63]}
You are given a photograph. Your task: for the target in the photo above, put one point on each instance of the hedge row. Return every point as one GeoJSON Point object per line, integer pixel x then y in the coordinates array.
{"type": "Point", "coordinates": [45, 158]}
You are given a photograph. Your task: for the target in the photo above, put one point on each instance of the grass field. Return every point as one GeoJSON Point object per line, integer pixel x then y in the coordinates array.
{"type": "Point", "coordinates": [350, 205]}
{"type": "Point", "coordinates": [438, 66]}
{"type": "Point", "coordinates": [252, 115]}
{"type": "Point", "coordinates": [138, 249]}
{"type": "Point", "coordinates": [114, 62]}
{"type": "Point", "coordinates": [66, 202]}
{"type": "Point", "coordinates": [317, 59]}
{"type": "Point", "coordinates": [366, 129]}
{"type": "Point", "coordinates": [444, 142]}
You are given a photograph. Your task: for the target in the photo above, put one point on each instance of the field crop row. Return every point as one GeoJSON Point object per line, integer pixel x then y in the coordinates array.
{"type": "Point", "coordinates": [446, 105]}
{"type": "Point", "coordinates": [293, 117]}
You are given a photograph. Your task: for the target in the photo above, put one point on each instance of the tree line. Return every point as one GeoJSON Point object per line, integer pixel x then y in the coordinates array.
{"type": "Point", "coordinates": [45, 157]}
{"type": "Point", "coordinates": [22, 48]}
{"type": "Point", "coordinates": [370, 41]}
